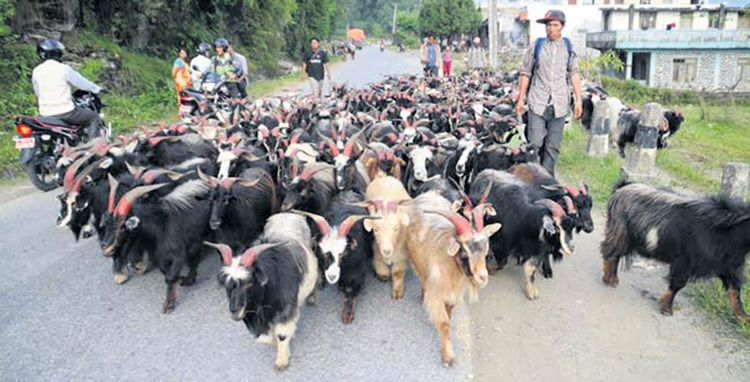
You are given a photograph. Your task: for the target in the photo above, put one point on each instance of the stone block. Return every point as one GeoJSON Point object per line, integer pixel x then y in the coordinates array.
{"type": "Point", "coordinates": [734, 180]}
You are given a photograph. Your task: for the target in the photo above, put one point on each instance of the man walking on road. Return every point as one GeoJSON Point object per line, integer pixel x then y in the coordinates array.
{"type": "Point", "coordinates": [477, 56]}
{"type": "Point", "coordinates": [314, 63]}
{"type": "Point", "coordinates": [431, 57]}
{"type": "Point", "coordinates": [551, 67]}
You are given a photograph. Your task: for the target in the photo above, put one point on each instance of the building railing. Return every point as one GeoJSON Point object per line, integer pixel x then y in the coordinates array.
{"type": "Point", "coordinates": [670, 39]}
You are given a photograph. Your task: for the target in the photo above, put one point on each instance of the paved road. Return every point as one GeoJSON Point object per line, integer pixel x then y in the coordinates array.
{"type": "Point", "coordinates": [62, 318]}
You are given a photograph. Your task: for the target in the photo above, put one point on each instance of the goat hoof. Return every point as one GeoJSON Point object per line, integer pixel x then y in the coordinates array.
{"type": "Point", "coordinates": [397, 294]}
{"type": "Point", "coordinates": [532, 293]}
{"type": "Point", "coordinates": [612, 281]}
{"type": "Point", "coordinates": [121, 278]}
{"type": "Point", "coordinates": [347, 316]}
{"type": "Point", "coordinates": [168, 307]}
{"type": "Point", "coordinates": [188, 281]}
{"type": "Point", "coordinates": [141, 268]}
{"type": "Point", "coordinates": [87, 232]}
{"type": "Point", "coordinates": [311, 299]}
{"type": "Point", "coordinates": [281, 366]}
{"type": "Point", "coordinates": [382, 279]}
{"type": "Point", "coordinates": [449, 361]}
{"type": "Point", "coordinates": [665, 307]}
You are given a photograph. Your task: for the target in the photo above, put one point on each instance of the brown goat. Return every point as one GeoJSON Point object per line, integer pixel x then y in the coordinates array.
{"type": "Point", "coordinates": [448, 255]}
{"type": "Point", "coordinates": [385, 200]}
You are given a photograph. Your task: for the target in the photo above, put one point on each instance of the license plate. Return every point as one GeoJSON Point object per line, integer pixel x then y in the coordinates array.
{"type": "Point", "coordinates": [186, 109]}
{"type": "Point", "coordinates": [24, 143]}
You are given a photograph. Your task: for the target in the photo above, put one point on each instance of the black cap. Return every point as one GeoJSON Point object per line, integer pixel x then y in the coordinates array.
{"type": "Point", "coordinates": [553, 14]}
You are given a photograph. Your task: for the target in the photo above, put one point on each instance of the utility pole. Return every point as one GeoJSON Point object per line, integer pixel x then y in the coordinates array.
{"type": "Point", "coordinates": [492, 25]}
{"type": "Point", "coordinates": [395, 9]}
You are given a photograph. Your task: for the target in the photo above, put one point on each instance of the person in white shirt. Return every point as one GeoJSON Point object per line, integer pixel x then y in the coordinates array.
{"type": "Point", "coordinates": [200, 65]}
{"type": "Point", "coordinates": [240, 61]}
{"type": "Point", "coordinates": [52, 85]}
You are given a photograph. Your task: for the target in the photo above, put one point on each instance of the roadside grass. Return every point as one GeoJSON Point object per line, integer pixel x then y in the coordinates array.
{"type": "Point", "coordinates": [693, 160]}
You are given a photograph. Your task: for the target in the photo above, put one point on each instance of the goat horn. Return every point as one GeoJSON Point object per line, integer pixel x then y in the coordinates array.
{"type": "Point", "coordinates": [331, 144]}
{"type": "Point", "coordinates": [228, 182]}
{"type": "Point", "coordinates": [127, 200]}
{"type": "Point", "coordinates": [352, 140]}
{"type": "Point", "coordinates": [554, 208]}
{"type": "Point", "coordinates": [462, 225]}
{"type": "Point", "coordinates": [478, 215]}
{"type": "Point", "coordinates": [308, 173]}
{"type": "Point", "coordinates": [322, 223]}
{"type": "Point", "coordinates": [224, 251]}
{"type": "Point", "coordinates": [112, 193]}
{"type": "Point", "coordinates": [151, 175]}
{"type": "Point", "coordinates": [207, 178]}
{"type": "Point", "coordinates": [583, 188]}
{"type": "Point", "coordinates": [348, 223]}
{"type": "Point", "coordinates": [571, 191]}
{"type": "Point", "coordinates": [249, 256]}
{"type": "Point", "coordinates": [86, 171]}
{"type": "Point", "coordinates": [485, 194]}
{"type": "Point", "coordinates": [70, 173]}
{"type": "Point", "coordinates": [569, 204]}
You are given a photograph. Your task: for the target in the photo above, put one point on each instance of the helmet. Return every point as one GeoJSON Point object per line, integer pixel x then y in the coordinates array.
{"type": "Point", "coordinates": [50, 49]}
{"type": "Point", "coordinates": [221, 42]}
{"type": "Point", "coordinates": [204, 48]}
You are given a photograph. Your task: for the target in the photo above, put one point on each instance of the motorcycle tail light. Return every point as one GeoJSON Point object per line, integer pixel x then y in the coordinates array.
{"type": "Point", "coordinates": [23, 130]}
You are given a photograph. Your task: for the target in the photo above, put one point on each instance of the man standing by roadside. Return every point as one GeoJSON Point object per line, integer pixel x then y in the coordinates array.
{"type": "Point", "coordinates": [315, 67]}
{"type": "Point", "coordinates": [239, 61]}
{"type": "Point", "coordinates": [431, 57]}
{"type": "Point", "coordinates": [551, 67]}
{"type": "Point", "coordinates": [477, 56]}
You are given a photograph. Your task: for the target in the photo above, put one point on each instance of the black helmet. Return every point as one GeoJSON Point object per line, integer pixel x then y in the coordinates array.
{"type": "Point", "coordinates": [222, 42]}
{"type": "Point", "coordinates": [204, 48]}
{"type": "Point", "coordinates": [50, 50]}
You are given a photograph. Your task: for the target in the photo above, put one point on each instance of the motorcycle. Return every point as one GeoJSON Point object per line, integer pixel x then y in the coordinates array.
{"type": "Point", "coordinates": [212, 100]}
{"type": "Point", "coordinates": [42, 140]}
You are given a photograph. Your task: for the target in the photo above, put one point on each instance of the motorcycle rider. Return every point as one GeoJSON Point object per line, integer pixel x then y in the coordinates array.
{"type": "Point", "coordinates": [223, 65]}
{"type": "Point", "coordinates": [200, 65]}
{"type": "Point", "coordinates": [52, 85]}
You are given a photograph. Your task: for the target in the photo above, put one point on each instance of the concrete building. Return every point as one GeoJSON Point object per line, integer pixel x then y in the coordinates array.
{"type": "Point", "coordinates": [698, 47]}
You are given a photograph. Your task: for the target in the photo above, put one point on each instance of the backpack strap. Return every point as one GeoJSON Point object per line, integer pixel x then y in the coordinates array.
{"type": "Point", "coordinates": [569, 46]}
{"type": "Point", "coordinates": [537, 51]}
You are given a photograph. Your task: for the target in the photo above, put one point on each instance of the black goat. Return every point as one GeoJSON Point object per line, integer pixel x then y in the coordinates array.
{"type": "Point", "coordinates": [346, 248]}
{"type": "Point", "coordinates": [628, 127]}
{"type": "Point", "coordinates": [268, 283]}
{"type": "Point", "coordinates": [311, 190]}
{"type": "Point", "coordinates": [698, 237]}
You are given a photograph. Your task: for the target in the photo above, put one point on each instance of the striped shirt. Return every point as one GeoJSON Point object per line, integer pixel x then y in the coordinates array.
{"type": "Point", "coordinates": [550, 84]}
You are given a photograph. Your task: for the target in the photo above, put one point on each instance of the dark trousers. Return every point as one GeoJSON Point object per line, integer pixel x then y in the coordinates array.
{"type": "Point", "coordinates": [243, 88]}
{"type": "Point", "coordinates": [87, 119]}
{"type": "Point", "coordinates": [432, 69]}
{"type": "Point", "coordinates": [545, 133]}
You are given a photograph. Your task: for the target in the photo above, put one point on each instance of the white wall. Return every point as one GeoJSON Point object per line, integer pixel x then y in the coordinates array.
{"type": "Point", "coordinates": [665, 18]}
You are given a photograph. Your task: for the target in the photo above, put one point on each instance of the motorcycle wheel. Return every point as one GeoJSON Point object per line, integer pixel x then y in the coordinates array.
{"type": "Point", "coordinates": [41, 171]}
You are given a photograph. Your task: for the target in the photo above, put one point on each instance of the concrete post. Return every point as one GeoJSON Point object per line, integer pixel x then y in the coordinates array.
{"type": "Point", "coordinates": [640, 162]}
{"type": "Point", "coordinates": [629, 66]}
{"type": "Point", "coordinates": [615, 107]}
{"type": "Point", "coordinates": [734, 180]}
{"type": "Point", "coordinates": [599, 132]}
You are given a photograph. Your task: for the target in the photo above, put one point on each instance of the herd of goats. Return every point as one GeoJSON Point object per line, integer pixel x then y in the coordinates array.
{"type": "Point", "coordinates": [296, 192]}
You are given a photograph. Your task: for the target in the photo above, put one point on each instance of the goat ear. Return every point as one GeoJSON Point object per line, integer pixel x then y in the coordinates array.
{"type": "Point", "coordinates": [453, 248]}
{"type": "Point", "coordinates": [491, 229]}
{"type": "Point", "coordinates": [548, 225]}
{"type": "Point", "coordinates": [404, 218]}
{"type": "Point", "coordinates": [367, 223]}
{"type": "Point", "coordinates": [456, 206]}
{"type": "Point", "coordinates": [490, 211]}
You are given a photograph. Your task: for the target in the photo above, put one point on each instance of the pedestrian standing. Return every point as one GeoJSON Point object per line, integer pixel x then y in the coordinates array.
{"type": "Point", "coordinates": [200, 65]}
{"type": "Point", "coordinates": [477, 56]}
{"type": "Point", "coordinates": [181, 73]}
{"type": "Point", "coordinates": [239, 62]}
{"type": "Point", "coordinates": [550, 67]}
{"type": "Point", "coordinates": [315, 67]}
{"type": "Point", "coordinates": [447, 62]}
{"type": "Point", "coordinates": [431, 57]}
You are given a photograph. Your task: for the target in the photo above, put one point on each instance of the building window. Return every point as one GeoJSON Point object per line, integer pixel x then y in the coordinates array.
{"type": "Point", "coordinates": [743, 20]}
{"type": "Point", "coordinates": [645, 2]}
{"type": "Point", "coordinates": [713, 20]}
{"type": "Point", "coordinates": [743, 70]}
{"type": "Point", "coordinates": [686, 20]}
{"type": "Point", "coordinates": [647, 20]}
{"type": "Point", "coordinates": [684, 69]}
{"type": "Point", "coordinates": [619, 2]}
{"type": "Point", "coordinates": [587, 2]}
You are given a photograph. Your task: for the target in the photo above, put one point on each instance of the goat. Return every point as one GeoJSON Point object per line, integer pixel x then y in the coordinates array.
{"type": "Point", "coordinates": [420, 169]}
{"type": "Point", "coordinates": [311, 190]}
{"type": "Point", "coordinates": [531, 229]}
{"type": "Point", "coordinates": [628, 127]}
{"type": "Point", "coordinates": [345, 247]}
{"type": "Point", "coordinates": [449, 257]}
{"type": "Point", "coordinates": [269, 282]}
{"type": "Point", "coordinates": [385, 199]}
{"type": "Point", "coordinates": [698, 237]}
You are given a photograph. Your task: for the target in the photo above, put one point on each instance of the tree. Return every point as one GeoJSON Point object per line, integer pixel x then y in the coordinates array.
{"type": "Point", "coordinates": [443, 18]}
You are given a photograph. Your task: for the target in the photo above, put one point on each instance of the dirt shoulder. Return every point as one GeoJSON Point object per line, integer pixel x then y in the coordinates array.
{"type": "Point", "coordinates": [581, 330]}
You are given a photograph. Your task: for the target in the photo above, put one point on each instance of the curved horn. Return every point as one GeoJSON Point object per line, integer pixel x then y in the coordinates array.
{"type": "Point", "coordinates": [207, 178]}
{"type": "Point", "coordinates": [352, 140]}
{"type": "Point", "coordinates": [229, 182]}
{"type": "Point", "coordinates": [478, 215]}
{"type": "Point", "coordinates": [348, 223]}
{"type": "Point", "coordinates": [70, 173]}
{"type": "Point", "coordinates": [224, 250]}
{"type": "Point", "coordinates": [112, 193]}
{"type": "Point", "coordinates": [554, 208]}
{"type": "Point", "coordinates": [86, 171]}
{"type": "Point", "coordinates": [583, 188]}
{"type": "Point", "coordinates": [322, 223]}
{"type": "Point", "coordinates": [308, 173]}
{"type": "Point", "coordinates": [571, 191]}
{"type": "Point", "coordinates": [569, 204]}
{"type": "Point", "coordinates": [462, 225]}
{"type": "Point", "coordinates": [127, 200]}
{"type": "Point", "coordinates": [151, 175]}
{"type": "Point", "coordinates": [249, 256]}
{"type": "Point", "coordinates": [331, 144]}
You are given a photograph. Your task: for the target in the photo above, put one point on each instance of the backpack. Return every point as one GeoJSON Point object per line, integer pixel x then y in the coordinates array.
{"type": "Point", "coordinates": [538, 50]}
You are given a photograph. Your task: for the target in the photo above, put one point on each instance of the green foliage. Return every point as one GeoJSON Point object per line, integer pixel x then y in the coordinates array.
{"type": "Point", "coordinates": [443, 18]}
{"type": "Point", "coordinates": [312, 18]}
{"type": "Point", "coordinates": [7, 11]}
{"type": "Point", "coordinates": [595, 66]}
